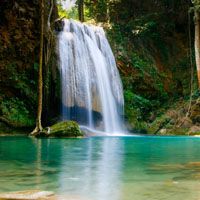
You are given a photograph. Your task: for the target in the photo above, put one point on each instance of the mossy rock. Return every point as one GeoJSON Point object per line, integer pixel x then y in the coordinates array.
{"type": "Point", "coordinates": [62, 129]}
{"type": "Point", "coordinates": [158, 124]}
{"type": "Point", "coordinates": [176, 131]}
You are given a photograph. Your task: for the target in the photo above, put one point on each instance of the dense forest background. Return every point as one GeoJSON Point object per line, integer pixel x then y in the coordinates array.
{"type": "Point", "coordinates": [153, 42]}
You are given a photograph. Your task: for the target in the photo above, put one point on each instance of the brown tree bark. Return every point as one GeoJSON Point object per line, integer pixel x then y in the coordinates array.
{"type": "Point", "coordinates": [197, 43]}
{"type": "Point", "coordinates": [40, 81]}
{"type": "Point", "coordinates": [107, 12]}
{"type": "Point", "coordinates": [49, 16]}
{"type": "Point", "coordinates": [47, 51]}
{"type": "Point", "coordinates": [81, 10]}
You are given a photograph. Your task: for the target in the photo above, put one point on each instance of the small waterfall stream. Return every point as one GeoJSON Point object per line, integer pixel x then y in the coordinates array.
{"type": "Point", "coordinates": [92, 91]}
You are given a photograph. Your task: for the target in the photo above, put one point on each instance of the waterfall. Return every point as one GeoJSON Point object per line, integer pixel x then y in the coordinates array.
{"type": "Point", "coordinates": [92, 91]}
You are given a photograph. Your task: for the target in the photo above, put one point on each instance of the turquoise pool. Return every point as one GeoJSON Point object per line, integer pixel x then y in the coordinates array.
{"type": "Point", "coordinates": [104, 168]}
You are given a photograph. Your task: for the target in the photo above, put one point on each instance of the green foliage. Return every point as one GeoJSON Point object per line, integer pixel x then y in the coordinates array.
{"type": "Point", "coordinates": [100, 10]}
{"type": "Point", "coordinates": [74, 130]}
{"type": "Point", "coordinates": [47, 80]}
{"type": "Point", "coordinates": [195, 95]}
{"type": "Point", "coordinates": [35, 66]}
{"type": "Point", "coordinates": [144, 25]}
{"type": "Point", "coordinates": [196, 6]}
{"type": "Point", "coordinates": [71, 14]}
{"type": "Point", "coordinates": [22, 80]}
{"type": "Point", "coordinates": [136, 105]}
{"type": "Point", "coordinates": [16, 113]}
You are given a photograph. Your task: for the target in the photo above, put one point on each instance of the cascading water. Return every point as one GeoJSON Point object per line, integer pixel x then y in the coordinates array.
{"type": "Point", "coordinates": [91, 87]}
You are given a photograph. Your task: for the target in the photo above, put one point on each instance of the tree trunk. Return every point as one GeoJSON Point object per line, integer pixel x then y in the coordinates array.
{"type": "Point", "coordinates": [49, 17]}
{"type": "Point", "coordinates": [48, 45]}
{"type": "Point", "coordinates": [197, 43]}
{"type": "Point", "coordinates": [81, 10]}
{"type": "Point", "coordinates": [40, 81]}
{"type": "Point", "coordinates": [107, 12]}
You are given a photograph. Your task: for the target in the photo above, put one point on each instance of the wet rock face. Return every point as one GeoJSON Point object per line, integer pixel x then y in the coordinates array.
{"type": "Point", "coordinates": [183, 122]}
{"type": "Point", "coordinates": [194, 130]}
{"type": "Point", "coordinates": [19, 42]}
{"type": "Point", "coordinates": [19, 52]}
{"type": "Point", "coordinates": [195, 112]}
{"type": "Point", "coordinates": [20, 28]}
{"type": "Point", "coordinates": [59, 25]}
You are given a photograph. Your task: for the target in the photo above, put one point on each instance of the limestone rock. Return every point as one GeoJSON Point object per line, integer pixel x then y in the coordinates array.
{"type": "Point", "coordinates": [194, 130]}
{"type": "Point", "coordinates": [195, 112]}
{"type": "Point", "coordinates": [183, 122]}
{"type": "Point", "coordinates": [163, 132]}
{"type": "Point", "coordinates": [173, 131]}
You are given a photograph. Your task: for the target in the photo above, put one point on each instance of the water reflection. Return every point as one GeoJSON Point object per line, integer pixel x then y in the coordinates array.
{"type": "Point", "coordinates": [103, 168]}
{"type": "Point", "coordinates": [97, 172]}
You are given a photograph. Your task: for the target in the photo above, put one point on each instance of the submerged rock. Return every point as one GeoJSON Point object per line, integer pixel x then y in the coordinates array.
{"type": "Point", "coordinates": [61, 129]}
{"type": "Point", "coordinates": [31, 194]}
{"type": "Point", "coordinates": [38, 195]}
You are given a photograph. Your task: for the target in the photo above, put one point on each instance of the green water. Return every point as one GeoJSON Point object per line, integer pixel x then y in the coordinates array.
{"type": "Point", "coordinates": [103, 168]}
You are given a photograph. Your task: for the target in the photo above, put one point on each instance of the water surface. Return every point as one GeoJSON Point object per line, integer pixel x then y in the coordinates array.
{"type": "Point", "coordinates": [103, 168]}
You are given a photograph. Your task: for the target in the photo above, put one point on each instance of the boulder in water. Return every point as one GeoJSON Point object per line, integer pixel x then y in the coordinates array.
{"type": "Point", "coordinates": [61, 129]}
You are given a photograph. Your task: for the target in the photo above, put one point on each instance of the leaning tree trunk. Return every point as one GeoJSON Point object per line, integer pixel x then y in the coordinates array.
{"type": "Point", "coordinates": [197, 44]}
{"type": "Point", "coordinates": [81, 10]}
{"type": "Point", "coordinates": [40, 81]}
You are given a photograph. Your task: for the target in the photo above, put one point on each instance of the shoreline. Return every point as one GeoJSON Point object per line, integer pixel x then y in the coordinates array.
{"type": "Point", "coordinates": [11, 134]}
{"type": "Point", "coordinates": [147, 135]}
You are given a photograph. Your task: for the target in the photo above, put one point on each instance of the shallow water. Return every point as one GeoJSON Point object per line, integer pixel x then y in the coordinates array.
{"type": "Point", "coordinates": [103, 168]}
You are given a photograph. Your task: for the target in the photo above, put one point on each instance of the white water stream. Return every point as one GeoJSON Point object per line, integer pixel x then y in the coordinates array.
{"type": "Point", "coordinates": [92, 91]}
